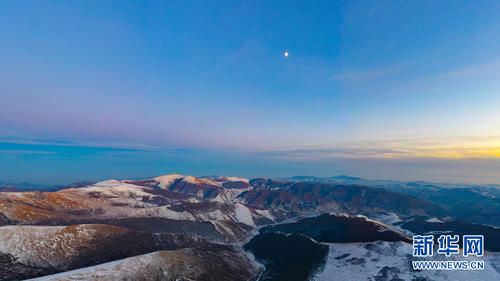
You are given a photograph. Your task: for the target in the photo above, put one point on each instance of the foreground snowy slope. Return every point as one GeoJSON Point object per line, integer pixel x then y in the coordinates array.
{"type": "Point", "coordinates": [392, 261]}
{"type": "Point", "coordinates": [217, 263]}
{"type": "Point", "coordinates": [61, 248]}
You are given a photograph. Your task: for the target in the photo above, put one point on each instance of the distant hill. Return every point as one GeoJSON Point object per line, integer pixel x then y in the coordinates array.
{"type": "Point", "coordinates": [479, 203]}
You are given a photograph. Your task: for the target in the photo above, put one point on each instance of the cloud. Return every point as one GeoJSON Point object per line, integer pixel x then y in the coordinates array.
{"type": "Point", "coordinates": [360, 76]}
{"type": "Point", "coordinates": [491, 68]}
{"type": "Point", "coordinates": [363, 76]}
{"type": "Point", "coordinates": [448, 148]}
{"type": "Point", "coordinates": [24, 152]}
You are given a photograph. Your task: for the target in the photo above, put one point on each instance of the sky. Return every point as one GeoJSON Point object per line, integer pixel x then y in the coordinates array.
{"type": "Point", "coordinates": [405, 90]}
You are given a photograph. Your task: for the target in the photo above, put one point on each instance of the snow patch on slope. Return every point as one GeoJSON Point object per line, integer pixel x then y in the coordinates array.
{"type": "Point", "coordinates": [235, 179]}
{"type": "Point", "coordinates": [243, 214]}
{"type": "Point", "coordinates": [435, 220]}
{"type": "Point", "coordinates": [228, 195]}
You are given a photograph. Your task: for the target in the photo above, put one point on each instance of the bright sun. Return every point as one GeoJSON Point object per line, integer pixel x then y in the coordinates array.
{"type": "Point", "coordinates": [286, 54]}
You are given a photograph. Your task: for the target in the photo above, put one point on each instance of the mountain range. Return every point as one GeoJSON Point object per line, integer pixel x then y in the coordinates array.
{"type": "Point", "coordinates": [233, 228]}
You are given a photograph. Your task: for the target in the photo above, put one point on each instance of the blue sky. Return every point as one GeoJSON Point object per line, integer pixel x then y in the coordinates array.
{"type": "Point", "coordinates": [204, 88]}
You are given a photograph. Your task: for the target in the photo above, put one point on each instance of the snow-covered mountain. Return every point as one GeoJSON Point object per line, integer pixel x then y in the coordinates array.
{"type": "Point", "coordinates": [173, 197]}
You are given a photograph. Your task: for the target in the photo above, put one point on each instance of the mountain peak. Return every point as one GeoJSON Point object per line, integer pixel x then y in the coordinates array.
{"type": "Point", "coordinates": [166, 180]}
